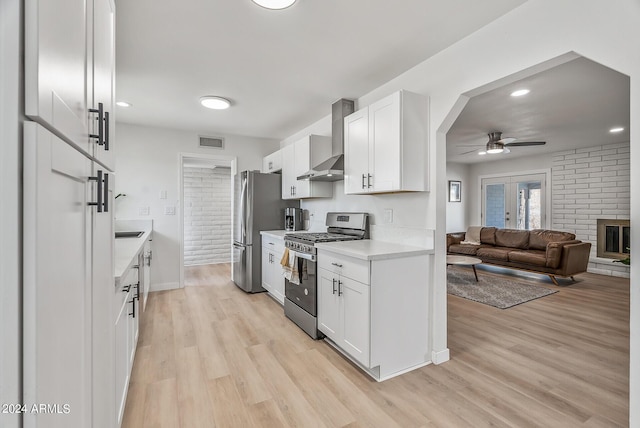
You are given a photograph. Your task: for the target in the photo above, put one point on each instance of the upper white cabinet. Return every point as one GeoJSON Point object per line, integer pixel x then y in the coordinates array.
{"type": "Point", "coordinates": [69, 71]}
{"type": "Point", "coordinates": [297, 159]}
{"type": "Point", "coordinates": [272, 162]}
{"type": "Point", "coordinates": [386, 146]}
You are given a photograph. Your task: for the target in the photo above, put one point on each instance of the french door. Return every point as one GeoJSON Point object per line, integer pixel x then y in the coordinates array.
{"type": "Point", "coordinates": [514, 202]}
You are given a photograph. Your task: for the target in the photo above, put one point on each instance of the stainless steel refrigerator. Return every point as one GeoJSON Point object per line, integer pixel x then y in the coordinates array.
{"type": "Point", "coordinates": [258, 205]}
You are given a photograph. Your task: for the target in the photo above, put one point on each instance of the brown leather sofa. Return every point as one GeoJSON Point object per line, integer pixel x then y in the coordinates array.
{"type": "Point", "coordinates": [548, 252]}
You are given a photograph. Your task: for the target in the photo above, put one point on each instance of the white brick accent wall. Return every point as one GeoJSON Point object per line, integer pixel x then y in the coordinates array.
{"type": "Point", "coordinates": [588, 184]}
{"type": "Point", "coordinates": [207, 216]}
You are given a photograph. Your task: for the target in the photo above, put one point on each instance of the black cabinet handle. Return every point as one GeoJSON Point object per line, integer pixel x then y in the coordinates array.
{"type": "Point", "coordinates": [368, 180]}
{"type": "Point", "coordinates": [339, 288]}
{"type": "Point", "coordinates": [363, 178]}
{"type": "Point", "coordinates": [333, 291]}
{"type": "Point", "coordinates": [133, 302]}
{"type": "Point", "coordinates": [105, 193]}
{"type": "Point", "coordinates": [100, 111]}
{"type": "Point", "coordinates": [106, 130]}
{"type": "Point", "coordinates": [137, 296]}
{"type": "Point", "coordinates": [126, 288]}
{"type": "Point", "coordinates": [99, 181]}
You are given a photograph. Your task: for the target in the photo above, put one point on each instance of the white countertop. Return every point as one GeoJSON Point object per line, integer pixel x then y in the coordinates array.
{"type": "Point", "coordinates": [126, 252]}
{"type": "Point", "coordinates": [275, 233]}
{"type": "Point", "coordinates": [367, 249]}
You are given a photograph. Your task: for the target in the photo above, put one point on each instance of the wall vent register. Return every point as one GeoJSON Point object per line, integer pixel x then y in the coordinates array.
{"type": "Point", "coordinates": [212, 142]}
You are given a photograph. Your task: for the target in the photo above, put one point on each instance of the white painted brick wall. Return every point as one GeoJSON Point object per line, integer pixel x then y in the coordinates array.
{"type": "Point", "coordinates": [207, 216]}
{"type": "Point", "coordinates": [588, 184]}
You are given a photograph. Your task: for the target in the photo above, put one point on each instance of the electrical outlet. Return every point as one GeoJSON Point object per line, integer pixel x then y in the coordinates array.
{"type": "Point", "coordinates": [143, 211]}
{"type": "Point", "coordinates": [387, 216]}
{"type": "Point", "coordinates": [163, 194]}
{"type": "Point", "coordinates": [169, 210]}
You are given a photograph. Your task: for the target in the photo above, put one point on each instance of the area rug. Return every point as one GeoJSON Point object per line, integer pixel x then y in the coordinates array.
{"type": "Point", "coordinates": [492, 290]}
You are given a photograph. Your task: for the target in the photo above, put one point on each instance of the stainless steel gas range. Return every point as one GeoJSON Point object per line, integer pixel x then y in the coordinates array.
{"type": "Point", "coordinates": [300, 303]}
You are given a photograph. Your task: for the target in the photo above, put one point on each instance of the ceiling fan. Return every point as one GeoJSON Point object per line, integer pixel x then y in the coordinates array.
{"type": "Point", "coordinates": [497, 144]}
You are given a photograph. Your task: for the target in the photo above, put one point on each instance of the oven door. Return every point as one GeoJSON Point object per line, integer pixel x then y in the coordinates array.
{"type": "Point", "coordinates": [304, 294]}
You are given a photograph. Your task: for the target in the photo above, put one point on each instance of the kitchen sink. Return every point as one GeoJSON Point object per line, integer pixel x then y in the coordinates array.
{"type": "Point", "coordinates": [134, 234]}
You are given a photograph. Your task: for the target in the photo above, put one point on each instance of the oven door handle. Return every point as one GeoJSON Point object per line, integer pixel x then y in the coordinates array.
{"type": "Point", "coordinates": [311, 257]}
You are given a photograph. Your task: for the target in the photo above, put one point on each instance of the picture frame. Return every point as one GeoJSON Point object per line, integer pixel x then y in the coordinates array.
{"type": "Point", "coordinates": [455, 191]}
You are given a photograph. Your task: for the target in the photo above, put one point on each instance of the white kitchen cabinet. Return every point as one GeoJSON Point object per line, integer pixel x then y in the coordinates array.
{"type": "Point", "coordinates": [344, 313]}
{"type": "Point", "coordinates": [69, 71]}
{"type": "Point", "coordinates": [272, 163]}
{"type": "Point", "coordinates": [386, 146]}
{"type": "Point", "coordinates": [68, 258]}
{"type": "Point", "coordinates": [122, 352]}
{"type": "Point", "coordinates": [272, 279]}
{"type": "Point", "coordinates": [297, 159]}
{"type": "Point", "coordinates": [147, 257]}
{"type": "Point", "coordinates": [373, 304]}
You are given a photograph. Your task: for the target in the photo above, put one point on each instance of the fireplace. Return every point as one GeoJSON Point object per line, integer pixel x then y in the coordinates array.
{"type": "Point", "coordinates": [613, 238]}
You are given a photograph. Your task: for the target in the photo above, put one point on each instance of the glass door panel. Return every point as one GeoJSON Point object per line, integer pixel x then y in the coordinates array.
{"type": "Point", "coordinates": [495, 205]}
{"type": "Point", "coordinates": [514, 202]}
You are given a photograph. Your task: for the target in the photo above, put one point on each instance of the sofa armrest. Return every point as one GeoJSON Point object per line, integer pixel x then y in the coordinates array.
{"type": "Point", "coordinates": [554, 252]}
{"type": "Point", "coordinates": [454, 238]}
{"type": "Point", "coordinates": [575, 258]}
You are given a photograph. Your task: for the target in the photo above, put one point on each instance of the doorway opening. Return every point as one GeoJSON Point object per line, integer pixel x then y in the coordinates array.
{"type": "Point", "coordinates": [206, 219]}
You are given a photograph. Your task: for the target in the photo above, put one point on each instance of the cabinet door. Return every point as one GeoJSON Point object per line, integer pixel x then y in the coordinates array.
{"type": "Point", "coordinates": [302, 155]}
{"type": "Point", "coordinates": [103, 305]}
{"type": "Point", "coordinates": [55, 67]}
{"type": "Point", "coordinates": [103, 78]}
{"type": "Point", "coordinates": [329, 305]}
{"type": "Point", "coordinates": [121, 357]}
{"type": "Point", "coordinates": [288, 162]}
{"type": "Point", "coordinates": [133, 314]}
{"type": "Point", "coordinates": [56, 280]}
{"type": "Point", "coordinates": [356, 152]}
{"type": "Point", "coordinates": [277, 280]}
{"type": "Point", "coordinates": [355, 324]}
{"type": "Point", "coordinates": [266, 269]}
{"type": "Point", "coordinates": [384, 144]}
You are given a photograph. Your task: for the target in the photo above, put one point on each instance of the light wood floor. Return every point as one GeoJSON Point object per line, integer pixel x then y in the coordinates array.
{"type": "Point", "coordinates": [214, 356]}
{"type": "Point", "coordinates": [207, 275]}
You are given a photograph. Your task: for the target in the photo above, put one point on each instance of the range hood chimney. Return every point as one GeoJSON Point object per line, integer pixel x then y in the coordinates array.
{"type": "Point", "coordinates": [332, 169]}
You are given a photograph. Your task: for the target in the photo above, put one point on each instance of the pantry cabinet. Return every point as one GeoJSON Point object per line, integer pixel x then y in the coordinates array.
{"type": "Point", "coordinates": [386, 146]}
{"type": "Point", "coordinates": [297, 159]}
{"type": "Point", "coordinates": [67, 307]}
{"type": "Point", "coordinates": [70, 73]}
{"type": "Point", "coordinates": [272, 279]}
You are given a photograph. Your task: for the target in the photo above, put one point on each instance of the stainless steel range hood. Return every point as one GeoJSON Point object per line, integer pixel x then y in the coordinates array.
{"type": "Point", "coordinates": [332, 169]}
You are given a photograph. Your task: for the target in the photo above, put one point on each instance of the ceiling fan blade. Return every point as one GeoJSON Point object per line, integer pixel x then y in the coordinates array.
{"type": "Point", "coordinates": [507, 140]}
{"type": "Point", "coordinates": [471, 145]}
{"type": "Point", "coordinates": [470, 151]}
{"type": "Point", "coordinates": [526, 143]}
{"type": "Point", "coordinates": [506, 150]}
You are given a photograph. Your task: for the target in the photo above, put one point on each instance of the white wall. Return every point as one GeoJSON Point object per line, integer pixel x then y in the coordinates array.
{"type": "Point", "coordinates": [11, 119]}
{"type": "Point", "coordinates": [207, 215]}
{"type": "Point", "coordinates": [147, 161]}
{"type": "Point", "coordinates": [537, 31]}
{"type": "Point", "coordinates": [457, 211]}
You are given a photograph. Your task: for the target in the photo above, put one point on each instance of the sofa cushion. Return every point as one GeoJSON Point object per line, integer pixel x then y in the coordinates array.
{"type": "Point", "coordinates": [530, 257]}
{"type": "Point", "coordinates": [539, 238]}
{"type": "Point", "coordinates": [495, 253]}
{"type": "Point", "coordinates": [512, 238]}
{"type": "Point", "coordinates": [466, 249]}
{"type": "Point", "coordinates": [488, 235]}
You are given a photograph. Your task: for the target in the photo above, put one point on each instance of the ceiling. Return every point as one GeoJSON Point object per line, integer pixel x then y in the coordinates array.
{"type": "Point", "coordinates": [570, 106]}
{"type": "Point", "coordinates": [281, 70]}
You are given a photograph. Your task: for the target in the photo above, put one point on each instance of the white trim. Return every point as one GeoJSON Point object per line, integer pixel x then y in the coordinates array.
{"type": "Point", "coordinates": [161, 286]}
{"type": "Point", "coordinates": [439, 357]}
{"type": "Point", "coordinates": [226, 160]}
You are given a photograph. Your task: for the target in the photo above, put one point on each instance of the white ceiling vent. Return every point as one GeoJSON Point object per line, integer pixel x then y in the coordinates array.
{"type": "Point", "coordinates": [212, 142]}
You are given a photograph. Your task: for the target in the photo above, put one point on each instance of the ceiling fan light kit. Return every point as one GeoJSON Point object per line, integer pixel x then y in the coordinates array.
{"type": "Point", "coordinates": [274, 4]}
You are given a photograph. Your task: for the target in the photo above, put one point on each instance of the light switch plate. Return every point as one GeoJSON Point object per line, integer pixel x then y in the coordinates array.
{"type": "Point", "coordinates": [169, 210]}
{"type": "Point", "coordinates": [143, 211]}
{"type": "Point", "coordinates": [163, 194]}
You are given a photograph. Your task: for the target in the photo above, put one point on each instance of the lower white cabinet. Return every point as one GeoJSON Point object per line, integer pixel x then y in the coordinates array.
{"type": "Point", "coordinates": [126, 336]}
{"type": "Point", "coordinates": [344, 312]}
{"type": "Point", "coordinates": [272, 279]}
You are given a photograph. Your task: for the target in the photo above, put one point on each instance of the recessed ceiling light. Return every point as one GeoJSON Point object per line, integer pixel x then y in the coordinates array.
{"type": "Point", "coordinates": [520, 92]}
{"type": "Point", "coordinates": [216, 103]}
{"type": "Point", "coordinates": [616, 130]}
{"type": "Point", "coordinates": [123, 104]}
{"type": "Point", "coordinates": [274, 4]}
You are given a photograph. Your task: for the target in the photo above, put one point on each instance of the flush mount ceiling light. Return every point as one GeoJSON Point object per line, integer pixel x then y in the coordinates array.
{"type": "Point", "coordinates": [520, 92]}
{"type": "Point", "coordinates": [494, 147]}
{"type": "Point", "coordinates": [215, 103]}
{"type": "Point", "coordinates": [274, 4]}
{"type": "Point", "coordinates": [616, 129]}
{"type": "Point", "coordinates": [123, 104]}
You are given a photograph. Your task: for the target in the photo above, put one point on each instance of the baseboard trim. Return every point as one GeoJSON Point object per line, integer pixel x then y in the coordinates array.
{"type": "Point", "coordinates": [164, 286]}
{"type": "Point", "coordinates": [439, 357]}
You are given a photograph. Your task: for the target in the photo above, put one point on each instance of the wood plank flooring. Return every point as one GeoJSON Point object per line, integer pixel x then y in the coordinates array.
{"type": "Point", "coordinates": [211, 355]}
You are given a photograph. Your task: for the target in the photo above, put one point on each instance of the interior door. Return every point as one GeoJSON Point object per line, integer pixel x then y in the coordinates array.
{"type": "Point", "coordinates": [514, 202]}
